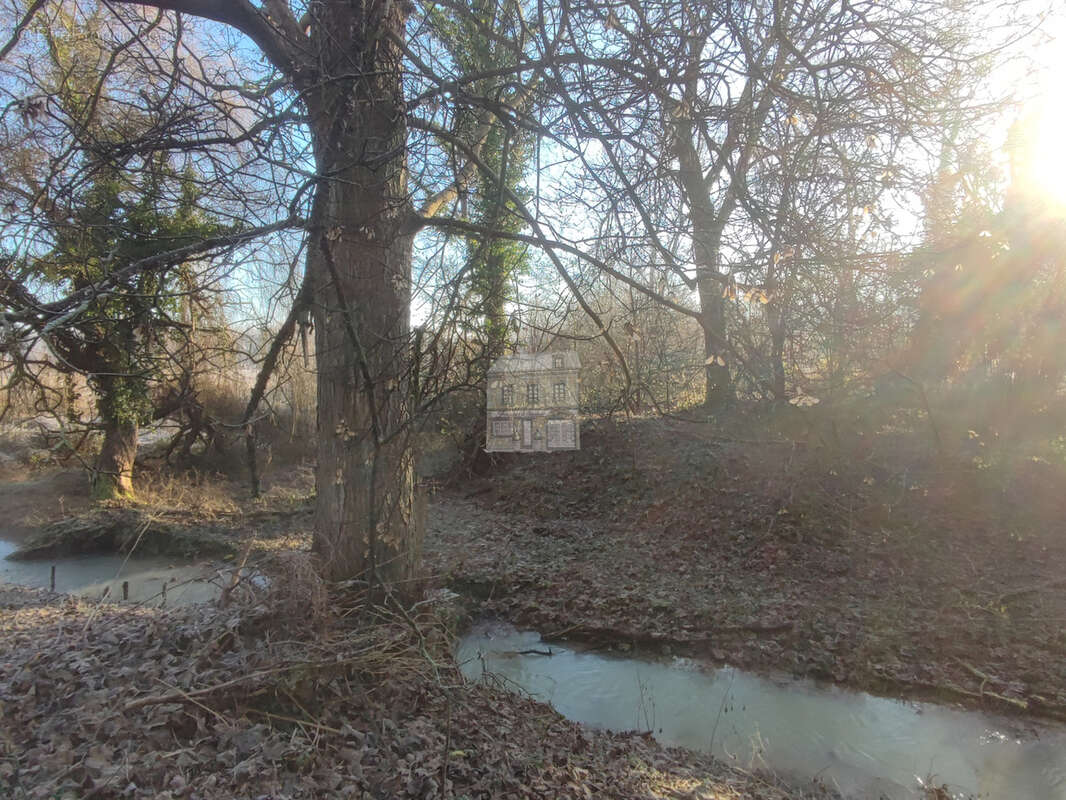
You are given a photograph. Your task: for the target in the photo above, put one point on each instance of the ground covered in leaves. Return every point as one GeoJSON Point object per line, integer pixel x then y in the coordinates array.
{"type": "Point", "coordinates": [294, 693]}
{"type": "Point", "coordinates": [868, 564]}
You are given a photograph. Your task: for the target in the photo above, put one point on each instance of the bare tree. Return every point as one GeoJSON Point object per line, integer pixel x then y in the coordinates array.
{"type": "Point", "coordinates": [723, 131]}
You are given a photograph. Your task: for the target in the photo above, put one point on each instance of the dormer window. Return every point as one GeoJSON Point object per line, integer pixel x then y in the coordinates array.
{"type": "Point", "coordinates": [507, 395]}
{"type": "Point", "coordinates": [557, 362]}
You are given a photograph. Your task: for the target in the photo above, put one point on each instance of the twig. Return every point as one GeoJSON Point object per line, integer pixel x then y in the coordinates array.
{"type": "Point", "coordinates": [563, 632]}
{"type": "Point", "coordinates": [721, 708]}
{"type": "Point", "coordinates": [309, 723]}
{"type": "Point", "coordinates": [418, 632]}
{"type": "Point", "coordinates": [359, 656]}
{"type": "Point", "coordinates": [23, 23]}
{"type": "Point", "coordinates": [194, 701]}
{"type": "Point", "coordinates": [1012, 701]}
{"type": "Point", "coordinates": [447, 747]}
{"type": "Point", "coordinates": [235, 577]}
{"type": "Point", "coordinates": [137, 541]}
{"type": "Point", "coordinates": [977, 673]}
{"type": "Point", "coordinates": [178, 696]}
{"type": "Point", "coordinates": [1029, 590]}
{"type": "Point", "coordinates": [755, 627]}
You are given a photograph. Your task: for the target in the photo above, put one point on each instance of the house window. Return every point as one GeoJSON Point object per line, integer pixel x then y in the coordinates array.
{"type": "Point", "coordinates": [559, 392]}
{"type": "Point", "coordinates": [562, 433]}
{"type": "Point", "coordinates": [507, 395]}
{"type": "Point", "coordinates": [502, 427]}
{"type": "Point", "coordinates": [532, 393]}
{"type": "Point", "coordinates": [557, 362]}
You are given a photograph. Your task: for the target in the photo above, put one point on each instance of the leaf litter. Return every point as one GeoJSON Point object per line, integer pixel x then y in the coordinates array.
{"type": "Point", "coordinates": [885, 573]}
{"type": "Point", "coordinates": [267, 698]}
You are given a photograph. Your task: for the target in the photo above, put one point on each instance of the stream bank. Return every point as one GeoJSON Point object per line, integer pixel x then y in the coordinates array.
{"type": "Point", "coordinates": [893, 575]}
{"type": "Point", "coordinates": [136, 555]}
{"type": "Point", "coordinates": [862, 746]}
{"type": "Point", "coordinates": [276, 696]}
{"type": "Point", "coordinates": [120, 530]}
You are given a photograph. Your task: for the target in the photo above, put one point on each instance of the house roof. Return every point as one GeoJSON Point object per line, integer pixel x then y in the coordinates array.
{"type": "Point", "coordinates": [533, 362]}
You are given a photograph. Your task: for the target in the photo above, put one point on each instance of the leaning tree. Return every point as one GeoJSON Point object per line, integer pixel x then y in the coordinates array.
{"type": "Point", "coordinates": [79, 212]}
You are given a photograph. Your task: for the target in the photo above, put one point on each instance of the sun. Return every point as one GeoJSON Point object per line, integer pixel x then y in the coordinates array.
{"type": "Point", "coordinates": [1040, 161]}
{"type": "Point", "coordinates": [1045, 156]}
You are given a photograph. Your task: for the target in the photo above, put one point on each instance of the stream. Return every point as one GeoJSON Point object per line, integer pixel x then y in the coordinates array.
{"type": "Point", "coordinates": [863, 746]}
{"type": "Point", "coordinates": [90, 576]}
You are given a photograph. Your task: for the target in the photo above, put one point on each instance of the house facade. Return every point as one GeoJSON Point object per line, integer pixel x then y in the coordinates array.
{"type": "Point", "coordinates": [532, 403]}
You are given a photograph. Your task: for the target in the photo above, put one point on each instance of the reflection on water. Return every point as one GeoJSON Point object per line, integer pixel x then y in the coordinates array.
{"type": "Point", "coordinates": [90, 576]}
{"type": "Point", "coordinates": [865, 746]}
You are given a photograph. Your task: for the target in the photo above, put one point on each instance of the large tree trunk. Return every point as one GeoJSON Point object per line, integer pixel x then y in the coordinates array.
{"type": "Point", "coordinates": [359, 259]}
{"type": "Point", "coordinates": [113, 474]}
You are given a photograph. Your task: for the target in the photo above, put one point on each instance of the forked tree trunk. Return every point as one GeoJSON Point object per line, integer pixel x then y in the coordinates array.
{"type": "Point", "coordinates": [359, 258]}
{"type": "Point", "coordinates": [113, 473]}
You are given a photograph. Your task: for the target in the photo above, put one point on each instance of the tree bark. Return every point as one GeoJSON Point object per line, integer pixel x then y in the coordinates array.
{"type": "Point", "coordinates": [345, 62]}
{"type": "Point", "coordinates": [775, 319]}
{"type": "Point", "coordinates": [707, 227]}
{"type": "Point", "coordinates": [359, 260]}
{"type": "Point", "coordinates": [712, 316]}
{"type": "Point", "coordinates": [113, 474]}
{"type": "Point", "coordinates": [719, 385]}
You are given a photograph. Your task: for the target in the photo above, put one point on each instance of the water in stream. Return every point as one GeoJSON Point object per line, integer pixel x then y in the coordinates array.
{"type": "Point", "coordinates": [89, 576]}
{"type": "Point", "coordinates": [866, 746]}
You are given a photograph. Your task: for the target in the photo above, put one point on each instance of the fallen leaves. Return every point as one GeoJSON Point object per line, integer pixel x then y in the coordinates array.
{"type": "Point", "coordinates": [243, 701]}
{"type": "Point", "coordinates": [766, 556]}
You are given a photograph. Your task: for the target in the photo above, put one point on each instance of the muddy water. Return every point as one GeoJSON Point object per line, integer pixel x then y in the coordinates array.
{"type": "Point", "coordinates": [865, 746]}
{"type": "Point", "coordinates": [91, 576]}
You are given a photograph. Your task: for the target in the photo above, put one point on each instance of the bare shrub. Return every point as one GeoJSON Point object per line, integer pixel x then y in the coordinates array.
{"type": "Point", "coordinates": [297, 593]}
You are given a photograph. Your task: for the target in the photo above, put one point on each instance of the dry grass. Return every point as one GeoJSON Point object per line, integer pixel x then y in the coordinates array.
{"type": "Point", "coordinates": [288, 484]}
{"type": "Point", "coordinates": [208, 496]}
{"type": "Point", "coordinates": [296, 590]}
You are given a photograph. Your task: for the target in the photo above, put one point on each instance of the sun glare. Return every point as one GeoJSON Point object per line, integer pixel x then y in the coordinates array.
{"type": "Point", "coordinates": [1043, 160]}
{"type": "Point", "coordinates": [1047, 153]}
